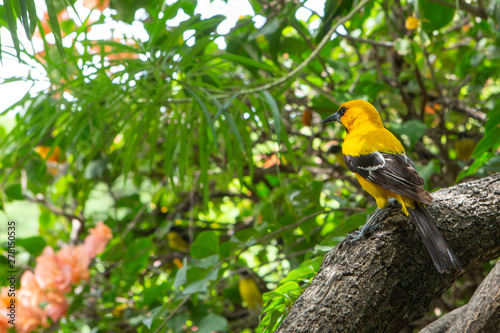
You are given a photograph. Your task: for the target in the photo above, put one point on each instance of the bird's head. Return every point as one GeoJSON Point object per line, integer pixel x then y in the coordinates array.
{"type": "Point", "coordinates": [354, 114]}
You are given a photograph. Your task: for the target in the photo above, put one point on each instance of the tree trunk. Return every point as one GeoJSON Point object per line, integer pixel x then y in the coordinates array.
{"type": "Point", "coordinates": [386, 281]}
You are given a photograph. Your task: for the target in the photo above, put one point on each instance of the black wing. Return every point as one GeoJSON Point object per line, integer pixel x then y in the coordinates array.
{"type": "Point", "coordinates": [393, 172]}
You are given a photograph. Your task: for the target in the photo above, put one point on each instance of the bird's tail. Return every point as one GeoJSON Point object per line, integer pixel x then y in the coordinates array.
{"type": "Point", "coordinates": [443, 257]}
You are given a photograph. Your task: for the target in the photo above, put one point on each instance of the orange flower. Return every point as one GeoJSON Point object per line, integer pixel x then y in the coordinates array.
{"type": "Point", "coordinates": [30, 293]}
{"type": "Point", "coordinates": [29, 318]}
{"type": "Point", "coordinates": [55, 154]}
{"type": "Point", "coordinates": [49, 273]}
{"type": "Point", "coordinates": [30, 314]}
{"type": "Point", "coordinates": [97, 240]}
{"type": "Point", "coordinates": [53, 157]}
{"type": "Point", "coordinates": [273, 160]}
{"type": "Point", "coordinates": [76, 261]}
{"type": "Point", "coordinates": [429, 109]}
{"type": "Point", "coordinates": [57, 306]}
{"type": "Point", "coordinates": [5, 302]}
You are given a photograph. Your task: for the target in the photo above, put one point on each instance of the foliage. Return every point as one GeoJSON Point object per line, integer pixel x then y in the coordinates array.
{"type": "Point", "coordinates": [225, 144]}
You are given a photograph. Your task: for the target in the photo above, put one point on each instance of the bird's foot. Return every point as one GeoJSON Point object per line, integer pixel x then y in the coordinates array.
{"type": "Point", "coordinates": [368, 228]}
{"type": "Point", "coordinates": [372, 224]}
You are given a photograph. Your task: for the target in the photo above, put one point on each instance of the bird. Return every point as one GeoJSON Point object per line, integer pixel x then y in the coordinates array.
{"type": "Point", "coordinates": [250, 292]}
{"type": "Point", "coordinates": [384, 170]}
{"type": "Point", "coordinates": [178, 240]}
{"type": "Point", "coordinates": [464, 148]}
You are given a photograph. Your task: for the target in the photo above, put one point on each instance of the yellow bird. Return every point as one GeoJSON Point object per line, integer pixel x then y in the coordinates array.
{"type": "Point", "coordinates": [465, 148]}
{"type": "Point", "coordinates": [178, 241]}
{"type": "Point", "coordinates": [384, 170]}
{"type": "Point", "coordinates": [250, 292]}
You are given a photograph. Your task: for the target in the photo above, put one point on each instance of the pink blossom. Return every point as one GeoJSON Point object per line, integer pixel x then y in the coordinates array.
{"type": "Point", "coordinates": [97, 239]}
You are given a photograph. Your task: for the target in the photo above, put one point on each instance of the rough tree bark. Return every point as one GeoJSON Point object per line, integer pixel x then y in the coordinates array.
{"type": "Point", "coordinates": [384, 282]}
{"type": "Point", "coordinates": [481, 314]}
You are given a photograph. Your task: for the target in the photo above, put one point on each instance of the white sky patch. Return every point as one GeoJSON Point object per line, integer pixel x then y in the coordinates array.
{"type": "Point", "coordinates": [318, 6]}
{"type": "Point", "coordinates": [188, 37]}
{"type": "Point", "coordinates": [315, 24]}
{"type": "Point", "coordinates": [178, 19]}
{"type": "Point", "coordinates": [233, 10]}
{"type": "Point", "coordinates": [303, 14]}
{"type": "Point", "coordinates": [221, 42]}
{"type": "Point", "coordinates": [259, 21]}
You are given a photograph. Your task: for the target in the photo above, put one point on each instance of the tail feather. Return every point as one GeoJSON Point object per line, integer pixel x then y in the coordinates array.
{"type": "Point", "coordinates": [443, 257]}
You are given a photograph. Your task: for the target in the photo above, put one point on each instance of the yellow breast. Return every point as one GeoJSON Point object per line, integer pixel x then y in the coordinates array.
{"type": "Point", "coordinates": [250, 293]}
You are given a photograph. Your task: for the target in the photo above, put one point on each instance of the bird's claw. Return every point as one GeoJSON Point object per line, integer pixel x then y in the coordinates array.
{"type": "Point", "coordinates": [365, 230]}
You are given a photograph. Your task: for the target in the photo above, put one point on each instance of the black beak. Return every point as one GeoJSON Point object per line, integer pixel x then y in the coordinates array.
{"type": "Point", "coordinates": [332, 118]}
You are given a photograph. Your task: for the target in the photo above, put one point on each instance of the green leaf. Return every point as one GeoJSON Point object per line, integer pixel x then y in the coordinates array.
{"type": "Point", "coordinates": [34, 245]}
{"type": "Point", "coordinates": [137, 255]}
{"type": "Point", "coordinates": [299, 274]}
{"type": "Point", "coordinates": [413, 129]}
{"type": "Point", "coordinates": [207, 116]}
{"type": "Point", "coordinates": [24, 18]}
{"type": "Point", "coordinates": [288, 287]}
{"type": "Point", "coordinates": [434, 16]}
{"type": "Point", "coordinates": [203, 154]}
{"type": "Point", "coordinates": [12, 24]}
{"type": "Point", "coordinates": [205, 245]}
{"type": "Point", "coordinates": [195, 274]}
{"type": "Point", "coordinates": [275, 113]}
{"type": "Point", "coordinates": [130, 201]}
{"type": "Point", "coordinates": [474, 167]}
{"type": "Point", "coordinates": [149, 318]}
{"type": "Point", "coordinates": [14, 192]}
{"type": "Point", "coordinates": [234, 129]}
{"type": "Point", "coordinates": [54, 25]}
{"type": "Point", "coordinates": [213, 323]}
{"type": "Point", "coordinates": [200, 286]}
{"type": "Point", "coordinates": [180, 276]}
{"type": "Point", "coordinates": [490, 142]}
{"type": "Point", "coordinates": [491, 139]}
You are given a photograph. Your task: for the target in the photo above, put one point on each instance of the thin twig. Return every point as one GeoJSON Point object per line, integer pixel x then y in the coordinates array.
{"type": "Point", "coordinates": [369, 41]}
{"type": "Point", "coordinates": [174, 311]}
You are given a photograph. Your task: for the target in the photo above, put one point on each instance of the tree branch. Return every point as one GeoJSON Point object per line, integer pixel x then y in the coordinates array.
{"type": "Point", "coordinates": [388, 280]}
{"type": "Point", "coordinates": [481, 314]}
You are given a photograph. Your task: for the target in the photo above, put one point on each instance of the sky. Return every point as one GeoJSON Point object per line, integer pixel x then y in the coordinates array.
{"type": "Point", "coordinates": [12, 92]}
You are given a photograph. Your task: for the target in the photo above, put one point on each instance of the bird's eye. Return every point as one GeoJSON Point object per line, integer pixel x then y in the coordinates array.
{"type": "Point", "coordinates": [342, 110]}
